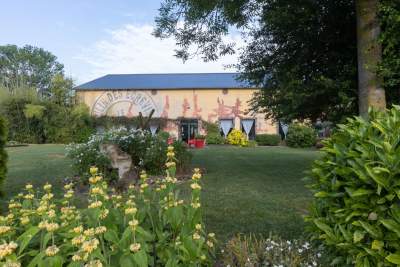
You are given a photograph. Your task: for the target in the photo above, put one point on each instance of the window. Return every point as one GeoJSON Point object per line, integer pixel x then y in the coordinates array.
{"type": "Point", "coordinates": [226, 126]}
{"type": "Point", "coordinates": [248, 127]}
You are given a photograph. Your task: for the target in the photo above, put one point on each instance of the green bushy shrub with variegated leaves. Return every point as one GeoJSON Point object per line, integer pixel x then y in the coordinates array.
{"type": "Point", "coordinates": [356, 184]}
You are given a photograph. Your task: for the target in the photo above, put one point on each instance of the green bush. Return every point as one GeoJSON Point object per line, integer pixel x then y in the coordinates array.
{"type": "Point", "coordinates": [268, 139]}
{"type": "Point", "coordinates": [146, 151]}
{"type": "Point", "coordinates": [33, 120]}
{"type": "Point", "coordinates": [356, 185]}
{"type": "Point", "coordinates": [300, 135]}
{"type": "Point", "coordinates": [214, 139]}
{"type": "Point", "coordinates": [147, 225]}
{"type": "Point", "coordinates": [3, 154]}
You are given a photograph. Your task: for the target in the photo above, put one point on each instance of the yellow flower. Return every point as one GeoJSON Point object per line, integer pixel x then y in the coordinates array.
{"type": "Point", "coordinates": [210, 244]}
{"type": "Point", "coordinates": [170, 164]}
{"type": "Point", "coordinates": [170, 154]}
{"type": "Point", "coordinates": [90, 246]}
{"type": "Point", "coordinates": [76, 257]}
{"type": "Point", "coordinates": [68, 186]}
{"type": "Point", "coordinates": [51, 213]}
{"type": "Point", "coordinates": [52, 250]}
{"type": "Point", "coordinates": [47, 196]}
{"type": "Point", "coordinates": [100, 230]}
{"type": "Point", "coordinates": [135, 247]}
{"type": "Point", "coordinates": [97, 191]}
{"type": "Point", "coordinates": [196, 236]}
{"type": "Point", "coordinates": [47, 187]}
{"type": "Point", "coordinates": [78, 229]}
{"type": "Point", "coordinates": [196, 176]}
{"type": "Point", "coordinates": [7, 249]}
{"type": "Point", "coordinates": [195, 186]}
{"type": "Point", "coordinates": [170, 148]}
{"type": "Point", "coordinates": [144, 185]}
{"type": "Point", "coordinates": [89, 232]}
{"type": "Point", "coordinates": [130, 211]}
{"type": "Point", "coordinates": [93, 170]}
{"type": "Point", "coordinates": [104, 214]}
{"type": "Point", "coordinates": [94, 180]}
{"type": "Point", "coordinates": [196, 205]}
{"type": "Point", "coordinates": [94, 263]}
{"type": "Point", "coordinates": [96, 204]}
{"type": "Point", "coordinates": [14, 205]}
{"type": "Point", "coordinates": [76, 241]}
{"type": "Point", "coordinates": [43, 224]}
{"type": "Point", "coordinates": [51, 227]}
{"type": "Point", "coordinates": [143, 175]}
{"type": "Point", "coordinates": [4, 229]}
{"type": "Point", "coordinates": [24, 220]}
{"type": "Point", "coordinates": [211, 235]}
{"type": "Point", "coordinates": [29, 196]}
{"type": "Point", "coordinates": [28, 186]}
{"type": "Point", "coordinates": [198, 227]}
{"type": "Point", "coordinates": [133, 224]}
{"type": "Point", "coordinates": [203, 257]}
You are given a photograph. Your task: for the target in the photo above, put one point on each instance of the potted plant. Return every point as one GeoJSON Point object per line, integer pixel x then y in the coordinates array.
{"type": "Point", "coordinates": [200, 141]}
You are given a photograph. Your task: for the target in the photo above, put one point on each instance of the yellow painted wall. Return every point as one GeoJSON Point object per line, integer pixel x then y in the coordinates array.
{"type": "Point", "coordinates": [206, 104]}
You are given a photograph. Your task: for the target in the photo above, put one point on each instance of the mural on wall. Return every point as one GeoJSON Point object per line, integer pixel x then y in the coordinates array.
{"type": "Point", "coordinates": [226, 111]}
{"type": "Point", "coordinates": [123, 103]}
{"type": "Point", "coordinates": [209, 105]}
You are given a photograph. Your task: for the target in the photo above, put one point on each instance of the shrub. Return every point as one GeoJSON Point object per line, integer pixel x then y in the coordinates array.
{"type": "Point", "coordinates": [251, 143]}
{"type": "Point", "coordinates": [237, 138]}
{"type": "Point", "coordinates": [268, 139]}
{"type": "Point", "coordinates": [214, 139]}
{"type": "Point", "coordinates": [146, 151]}
{"type": "Point", "coordinates": [301, 136]}
{"type": "Point", "coordinates": [356, 186]}
{"type": "Point", "coordinates": [252, 251]}
{"type": "Point", "coordinates": [149, 225]}
{"type": "Point", "coordinates": [3, 154]}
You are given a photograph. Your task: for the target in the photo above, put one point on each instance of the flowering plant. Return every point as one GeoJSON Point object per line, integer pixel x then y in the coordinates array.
{"type": "Point", "coordinates": [148, 225]}
{"type": "Point", "coordinates": [237, 138]}
{"type": "Point", "coordinates": [250, 251]}
{"type": "Point", "coordinates": [145, 149]}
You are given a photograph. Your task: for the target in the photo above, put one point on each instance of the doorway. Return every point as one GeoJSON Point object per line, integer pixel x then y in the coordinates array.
{"type": "Point", "coordinates": [189, 129]}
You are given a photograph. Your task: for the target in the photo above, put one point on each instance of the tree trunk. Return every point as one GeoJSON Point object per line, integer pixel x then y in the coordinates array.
{"type": "Point", "coordinates": [370, 91]}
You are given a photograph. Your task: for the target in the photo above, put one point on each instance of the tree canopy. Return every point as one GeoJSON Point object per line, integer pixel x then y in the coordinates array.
{"type": "Point", "coordinates": [27, 66]}
{"type": "Point", "coordinates": [303, 53]}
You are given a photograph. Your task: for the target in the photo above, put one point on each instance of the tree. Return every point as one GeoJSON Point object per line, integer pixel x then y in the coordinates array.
{"type": "Point", "coordinates": [27, 66]}
{"type": "Point", "coordinates": [370, 92]}
{"type": "Point", "coordinates": [60, 90]}
{"type": "Point", "coordinates": [3, 153]}
{"type": "Point", "coordinates": [303, 53]}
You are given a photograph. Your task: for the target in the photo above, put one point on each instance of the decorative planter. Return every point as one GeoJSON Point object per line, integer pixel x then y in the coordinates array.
{"type": "Point", "coordinates": [199, 143]}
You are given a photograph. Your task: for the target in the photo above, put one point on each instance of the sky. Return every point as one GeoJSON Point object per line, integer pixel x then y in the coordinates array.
{"type": "Point", "coordinates": [93, 38]}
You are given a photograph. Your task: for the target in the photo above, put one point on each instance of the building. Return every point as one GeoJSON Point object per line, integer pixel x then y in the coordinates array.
{"type": "Point", "coordinates": [186, 100]}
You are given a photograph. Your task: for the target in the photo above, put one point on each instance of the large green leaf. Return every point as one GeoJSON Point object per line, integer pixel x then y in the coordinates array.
{"type": "Point", "coordinates": [393, 258]}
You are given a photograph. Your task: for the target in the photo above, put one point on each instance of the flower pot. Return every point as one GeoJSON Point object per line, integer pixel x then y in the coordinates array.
{"type": "Point", "coordinates": [200, 143]}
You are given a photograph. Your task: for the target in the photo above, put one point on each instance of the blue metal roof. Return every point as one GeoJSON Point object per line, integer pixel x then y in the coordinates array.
{"type": "Point", "coordinates": [165, 81]}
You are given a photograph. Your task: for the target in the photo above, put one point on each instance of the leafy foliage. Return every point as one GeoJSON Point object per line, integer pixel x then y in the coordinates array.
{"type": "Point", "coordinates": [3, 153]}
{"type": "Point", "coordinates": [300, 135]}
{"type": "Point", "coordinates": [356, 209]}
{"type": "Point", "coordinates": [27, 66]}
{"type": "Point", "coordinates": [237, 138]}
{"type": "Point", "coordinates": [215, 139]}
{"type": "Point", "coordinates": [149, 225]}
{"type": "Point", "coordinates": [299, 52]}
{"type": "Point", "coordinates": [390, 68]}
{"type": "Point", "coordinates": [268, 139]}
{"type": "Point", "coordinates": [146, 151]}
{"type": "Point", "coordinates": [34, 120]}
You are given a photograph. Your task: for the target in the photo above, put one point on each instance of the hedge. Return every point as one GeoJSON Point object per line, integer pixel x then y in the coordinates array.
{"type": "Point", "coordinates": [3, 154]}
{"type": "Point", "coordinates": [268, 139]}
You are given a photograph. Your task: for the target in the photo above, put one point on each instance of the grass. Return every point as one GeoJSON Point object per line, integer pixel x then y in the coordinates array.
{"type": "Point", "coordinates": [36, 164]}
{"type": "Point", "coordinates": [245, 190]}
{"type": "Point", "coordinates": [255, 190]}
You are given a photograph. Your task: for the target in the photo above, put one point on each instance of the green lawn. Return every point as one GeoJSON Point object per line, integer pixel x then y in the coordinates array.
{"type": "Point", "coordinates": [245, 190]}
